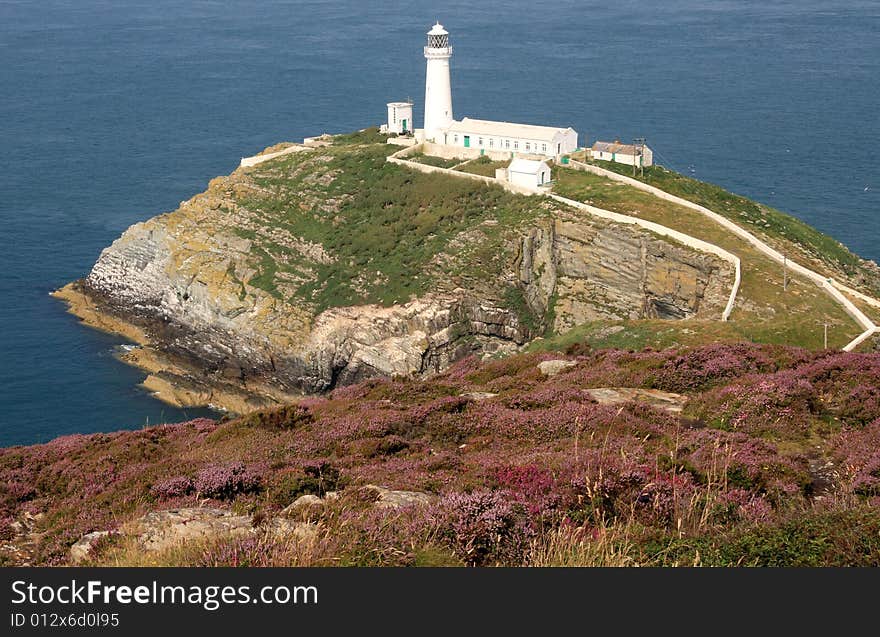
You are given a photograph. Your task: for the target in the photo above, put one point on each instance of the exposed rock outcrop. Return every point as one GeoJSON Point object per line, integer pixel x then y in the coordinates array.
{"type": "Point", "coordinates": [589, 270]}
{"type": "Point", "coordinates": [391, 499]}
{"type": "Point", "coordinates": [554, 367]}
{"type": "Point", "coordinates": [82, 548]}
{"type": "Point", "coordinates": [667, 401]}
{"type": "Point", "coordinates": [160, 530]}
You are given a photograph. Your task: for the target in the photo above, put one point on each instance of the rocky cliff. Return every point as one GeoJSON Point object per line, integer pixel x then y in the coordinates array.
{"type": "Point", "coordinates": [330, 266]}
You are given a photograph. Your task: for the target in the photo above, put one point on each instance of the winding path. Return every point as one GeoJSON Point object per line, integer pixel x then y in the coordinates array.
{"type": "Point", "coordinates": [832, 287]}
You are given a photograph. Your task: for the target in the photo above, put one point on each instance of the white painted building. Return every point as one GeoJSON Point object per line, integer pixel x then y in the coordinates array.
{"type": "Point", "coordinates": [628, 154]}
{"type": "Point", "coordinates": [518, 139]}
{"type": "Point", "coordinates": [480, 136]}
{"type": "Point", "coordinates": [438, 90]}
{"type": "Point", "coordinates": [400, 118]}
{"type": "Point", "coordinates": [528, 172]}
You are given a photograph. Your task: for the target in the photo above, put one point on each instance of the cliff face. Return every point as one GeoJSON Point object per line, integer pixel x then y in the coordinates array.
{"type": "Point", "coordinates": [269, 284]}
{"type": "Point", "coordinates": [602, 271]}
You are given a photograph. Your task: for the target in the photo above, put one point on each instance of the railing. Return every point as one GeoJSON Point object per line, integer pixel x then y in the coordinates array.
{"type": "Point", "coordinates": [431, 52]}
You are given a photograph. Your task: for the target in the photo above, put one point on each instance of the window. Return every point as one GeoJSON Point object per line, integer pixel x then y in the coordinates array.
{"type": "Point", "coordinates": [507, 143]}
{"type": "Point", "coordinates": [515, 144]}
{"type": "Point", "coordinates": [481, 141]}
{"type": "Point", "coordinates": [455, 138]}
{"type": "Point", "coordinates": [491, 143]}
{"type": "Point", "coordinates": [544, 148]}
{"type": "Point", "coordinates": [528, 146]}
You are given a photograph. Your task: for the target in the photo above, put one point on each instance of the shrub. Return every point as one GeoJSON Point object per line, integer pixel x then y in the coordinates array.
{"type": "Point", "coordinates": [172, 487]}
{"type": "Point", "coordinates": [484, 528]}
{"type": "Point", "coordinates": [7, 532]}
{"type": "Point", "coordinates": [287, 417]}
{"type": "Point", "coordinates": [315, 479]}
{"type": "Point", "coordinates": [238, 552]}
{"type": "Point", "coordinates": [226, 481]}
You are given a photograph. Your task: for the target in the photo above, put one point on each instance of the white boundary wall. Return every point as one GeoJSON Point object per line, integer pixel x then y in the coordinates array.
{"type": "Point", "coordinates": [831, 286]}
{"type": "Point", "coordinates": [247, 162]}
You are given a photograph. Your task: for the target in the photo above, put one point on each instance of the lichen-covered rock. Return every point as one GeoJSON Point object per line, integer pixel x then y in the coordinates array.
{"type": "Point", "coordinates": [664, 400]}
{"type": "Point", "coordinates": [554, 367]}
{"type": "Point", "coordinates": [82, 548]}
{"type": "Point", "coordinates": [303, 502]}
{"type": "Point", "coordinates": [159, 530]}
{"type": "Point", "coordinates": [391, 499]}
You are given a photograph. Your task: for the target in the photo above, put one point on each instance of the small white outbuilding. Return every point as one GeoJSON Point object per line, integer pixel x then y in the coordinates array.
{"type": "Point", "coordinates": [530, 173]}
{"type": "Point", "coordinates": [628, 154]}
{"type": "Point", "coordinates": [400, 118]}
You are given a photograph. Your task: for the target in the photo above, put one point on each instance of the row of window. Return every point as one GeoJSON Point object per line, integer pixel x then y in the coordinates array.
{"type": "Point", "coordinates": [506, 144]}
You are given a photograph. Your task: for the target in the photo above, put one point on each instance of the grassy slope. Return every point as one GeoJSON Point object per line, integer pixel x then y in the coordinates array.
{"type": "Point", "coordinates": [388, 226]}
{"type": "Point", "coordinates": [483, 166]}
{"type": "Point", "coordinates": [384, 226]}
{"type": "Point", "coordinates": [786, 233]}
{"type": "Point", "coordinates": [763, 312]}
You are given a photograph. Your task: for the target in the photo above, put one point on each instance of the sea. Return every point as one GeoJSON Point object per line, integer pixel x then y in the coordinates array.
{"type": "Point", "coordinates": [113, 111]}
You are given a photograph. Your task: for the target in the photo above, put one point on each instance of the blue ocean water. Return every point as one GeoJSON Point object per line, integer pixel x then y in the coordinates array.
{"type": "Point", "coordinates": [112, 111]}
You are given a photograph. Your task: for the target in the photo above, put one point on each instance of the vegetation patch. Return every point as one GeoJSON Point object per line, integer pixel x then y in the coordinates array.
{"type": "Point", "coordinates": [511, 466]}
{"type": "Point", "coordinates": [383, 225]}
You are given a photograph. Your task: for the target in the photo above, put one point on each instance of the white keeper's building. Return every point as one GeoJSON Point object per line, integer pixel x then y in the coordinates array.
{"type": "Point", "coordinates": [400, 118]}
{"type": "Point", "coordinates": [519, 139]}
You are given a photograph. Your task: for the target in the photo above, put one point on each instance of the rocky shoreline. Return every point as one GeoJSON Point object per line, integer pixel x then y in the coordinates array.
{"type": "Point", "coordinates": [174, 381]}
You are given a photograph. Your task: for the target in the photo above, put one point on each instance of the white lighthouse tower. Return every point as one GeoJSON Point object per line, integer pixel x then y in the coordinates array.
{"type": "Point", "coordinates": [438, 92]}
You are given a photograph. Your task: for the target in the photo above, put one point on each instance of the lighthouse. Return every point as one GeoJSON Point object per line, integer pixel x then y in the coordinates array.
{"type": "Point", "coordinates": [438, 91]}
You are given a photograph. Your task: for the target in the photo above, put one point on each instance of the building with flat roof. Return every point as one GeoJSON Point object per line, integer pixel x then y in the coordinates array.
{"type": "Point", "coordinates": [518, 139]}
{"type": "Point", "coordinates": [400, 118]}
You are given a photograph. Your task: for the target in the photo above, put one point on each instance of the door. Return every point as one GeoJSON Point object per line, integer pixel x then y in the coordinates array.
{"type": "Point", "coordinates": [467, 141]}
{"type": "Point", "coordinates": [404, 126]}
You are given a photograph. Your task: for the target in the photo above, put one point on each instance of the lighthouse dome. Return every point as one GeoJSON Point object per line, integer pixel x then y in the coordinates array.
{"type": "Point", "coordinates": [438, 38]}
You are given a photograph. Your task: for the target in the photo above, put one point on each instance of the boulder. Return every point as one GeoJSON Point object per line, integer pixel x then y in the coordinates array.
{"type": "Point", "coordinates": [477, 396]}
{"type": "Point", "coordinates": [302, 502]}
{"type": "Point", "coordinates": [283, 528]}
{"type": "Point", "coordinates": [552, 368]}
{"type": "Point", "coordinates": [664, 400]}
{"type": "Point", "coordinates": [391, 499]}
{"type": "Point", "coordinates": [82, 549]}
{"type": "Point", "coordinates": [159, 530]}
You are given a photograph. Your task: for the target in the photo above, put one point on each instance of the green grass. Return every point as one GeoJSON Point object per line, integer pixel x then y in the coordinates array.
{"type": "Point", "coordinates": [483, 166]}
{"type": "Point", "coordinates": [387, 225]}
{"type": "Point", "coordinates": [430, 160]}
{"type": "Point", "coordinates": [764, 312]}
{"type": "Point", "coordinates": [778, 228]}
{"type": "Point", "coordinates": [834, 538]}
{"type": "Point", "coordinates": [366, 136]}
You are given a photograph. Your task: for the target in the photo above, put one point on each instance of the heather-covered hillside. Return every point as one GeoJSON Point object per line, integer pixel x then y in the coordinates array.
{"type": "Point", "coordinates": [722, 454]}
